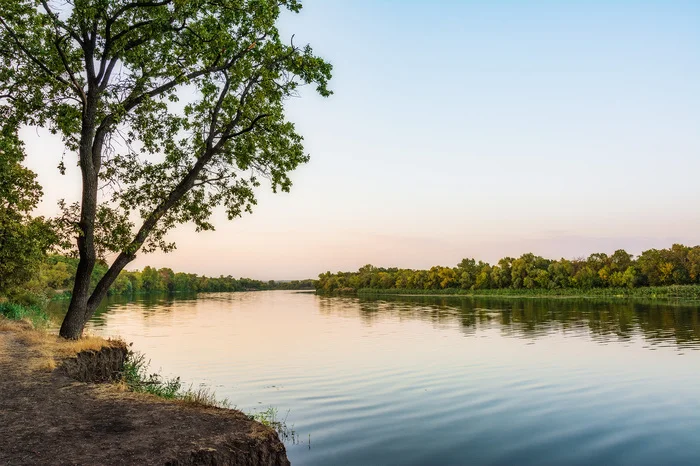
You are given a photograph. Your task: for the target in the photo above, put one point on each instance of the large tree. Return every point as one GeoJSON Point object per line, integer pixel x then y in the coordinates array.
{"type": "Point", "coordinates": [172, 107]}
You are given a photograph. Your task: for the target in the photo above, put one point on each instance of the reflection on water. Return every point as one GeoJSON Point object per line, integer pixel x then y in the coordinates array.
{"type": "Point", "coordinates": [662, 322]}
{"type": "Point", "coordinates": [435, 380]}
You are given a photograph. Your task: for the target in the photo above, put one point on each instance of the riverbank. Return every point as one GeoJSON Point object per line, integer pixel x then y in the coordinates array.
{"type": "Point", "coordinates": [648, 292]}
{"type": "Point", "coordinates": [53, 411]}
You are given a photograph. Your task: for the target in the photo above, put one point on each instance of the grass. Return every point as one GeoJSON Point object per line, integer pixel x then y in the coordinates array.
{"type": "Point", "coordinates": [647, 292]}
{"type": "Point", "coordinates": [137, 377]}
{"type": "Point", "coordinates": [269, 418]}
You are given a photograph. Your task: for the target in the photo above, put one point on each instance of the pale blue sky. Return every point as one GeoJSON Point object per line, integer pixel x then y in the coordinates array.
{"type": "Point", "coordinates": [471, 129]}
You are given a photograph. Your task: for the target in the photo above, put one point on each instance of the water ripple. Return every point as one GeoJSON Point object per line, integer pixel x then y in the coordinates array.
{"type": "Point", "coordinates": [438, 380]}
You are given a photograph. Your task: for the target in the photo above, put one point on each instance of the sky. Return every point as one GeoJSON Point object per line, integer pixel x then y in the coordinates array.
{"type": "Point", "coordinates": [467, 129]}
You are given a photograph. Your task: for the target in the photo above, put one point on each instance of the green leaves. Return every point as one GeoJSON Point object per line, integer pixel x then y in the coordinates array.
{"type": "Point", "coordinates": [19, 190]}
{"type": "Point", "coordinates": [24, 241]}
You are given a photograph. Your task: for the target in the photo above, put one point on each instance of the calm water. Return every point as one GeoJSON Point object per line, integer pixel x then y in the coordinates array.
{"type": "Point", "coordinates": [439, 381]}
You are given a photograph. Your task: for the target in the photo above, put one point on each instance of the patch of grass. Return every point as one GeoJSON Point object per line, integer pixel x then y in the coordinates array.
{"type": "Point", "coordinates": [136, 377]}
{"type": "Point", "coordinates": [269, 418]}
{"type": "Point", "coordinates": [33, 314]}
{"type": "Point", "coordinates": [69, 348]}
{"type": "Point", "coordinates": [7, 325]}
{"type": "Point", "coordinates": [203, 397]}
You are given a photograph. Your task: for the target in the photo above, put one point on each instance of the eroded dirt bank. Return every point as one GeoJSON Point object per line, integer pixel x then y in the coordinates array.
{"type": "Point", "coordinates": [47, 417]}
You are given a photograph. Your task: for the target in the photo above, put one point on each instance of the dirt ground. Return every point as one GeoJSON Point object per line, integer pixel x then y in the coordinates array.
{"type": "Point", "coordinates": [48, 418]}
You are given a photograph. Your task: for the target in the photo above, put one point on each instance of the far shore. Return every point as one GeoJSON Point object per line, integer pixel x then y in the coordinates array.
{"type": "Point", "coordinates": [682, 292]}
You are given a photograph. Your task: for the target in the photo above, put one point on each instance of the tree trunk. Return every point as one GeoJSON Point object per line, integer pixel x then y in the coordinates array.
{"type": "Point", "coordinates": [77, 315]}
{"type": "Point", "coordinates": [73, 322]}
{"type": "Point", "coordinates": [75, 319]}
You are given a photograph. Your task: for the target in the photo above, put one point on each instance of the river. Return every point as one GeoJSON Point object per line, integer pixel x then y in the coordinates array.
{"type": "Point", "coordinates": [426, 380]}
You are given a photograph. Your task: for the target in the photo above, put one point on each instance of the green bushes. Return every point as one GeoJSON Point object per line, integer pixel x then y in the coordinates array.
{"type": "Point", "coordinates": [14, 311]}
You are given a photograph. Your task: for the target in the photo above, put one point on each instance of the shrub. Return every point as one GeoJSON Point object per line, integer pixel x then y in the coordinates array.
{"type": "Point", "coordinates": [16, 311]}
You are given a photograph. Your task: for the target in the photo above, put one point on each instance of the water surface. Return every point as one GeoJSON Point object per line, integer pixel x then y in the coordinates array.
{"type": "Point", "coordinates": [439, 380]}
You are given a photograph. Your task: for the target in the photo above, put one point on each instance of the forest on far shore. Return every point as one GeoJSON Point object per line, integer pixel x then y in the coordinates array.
{"type": "Point", "coordinates": [677, 265]}
{"type": "Point", "coordinates": [55, 275]}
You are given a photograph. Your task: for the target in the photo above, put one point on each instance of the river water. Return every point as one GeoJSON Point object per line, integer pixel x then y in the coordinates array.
{"type": "Point", "coordinates": [438, 380]}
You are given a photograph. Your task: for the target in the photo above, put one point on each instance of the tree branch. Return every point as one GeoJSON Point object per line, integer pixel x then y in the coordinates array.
{"type": "Point", "coordinates": [215, 112]}
{"type": "Point", "coordinates": [212, 180]}
{"type": "Point", "coordinates": [130, 6]}
{"type": "Point", "coordinates": [225, 135]}
{"type": "Point", "coordinates": [58, 22]}
{"type": "Point", "coordinates": [104, 75]}
{"type": "Point", "coordinates": [31, 56]}
{"type": "Point", "coordinates": [247, 129]}
{"type": "Point", "coordinates": [126, 31]}
{"type": "Point", "coordinates": [64, 60]}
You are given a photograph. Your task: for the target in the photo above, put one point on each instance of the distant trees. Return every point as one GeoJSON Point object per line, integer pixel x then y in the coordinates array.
{"type": "Point", "coordinates": [678, 265]}
{"type": "Point", "coordinates": [58, 273]}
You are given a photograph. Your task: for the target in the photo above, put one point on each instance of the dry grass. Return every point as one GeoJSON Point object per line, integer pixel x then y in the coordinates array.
{"type": "Point", "coordinates": [202, 397]}
{"type": "Point", "coordinates": [46, 348]}
{"type": "Point", "coordinates": [7, 325]}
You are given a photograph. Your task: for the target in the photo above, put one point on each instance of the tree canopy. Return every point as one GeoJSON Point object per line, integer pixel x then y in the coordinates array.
{"type": "Point", "coordinates": [677, 265]}
{"type": "Point", "coordinates": [172, 107]}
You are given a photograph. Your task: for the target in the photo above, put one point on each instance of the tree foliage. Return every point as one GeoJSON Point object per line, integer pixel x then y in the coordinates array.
{"type": "Point", "coordinates": [678, 265]}
{"type": "Point", "coordinates": [24, 240]}
{"type": "Point", "coordinates": [174, 107]}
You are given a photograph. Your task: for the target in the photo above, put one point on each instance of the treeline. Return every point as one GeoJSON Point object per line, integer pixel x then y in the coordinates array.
{"type": "Point", "coordinates": [678, 265]}
{"type": "Point", "coordinates": [57, 274]}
